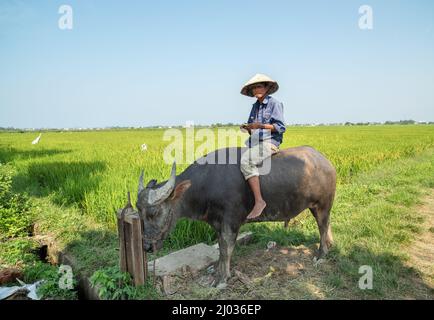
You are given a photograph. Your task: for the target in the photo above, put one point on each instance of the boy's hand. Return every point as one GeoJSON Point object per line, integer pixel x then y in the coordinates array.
{"type": "Point", "coordinates": [245, 127]}
{"type": "Point", "coordinates": [258, 125]}
{"type": "Point", "coordinates": [251, 126]}
{"type": "Point", "coordinates": [255, 125]}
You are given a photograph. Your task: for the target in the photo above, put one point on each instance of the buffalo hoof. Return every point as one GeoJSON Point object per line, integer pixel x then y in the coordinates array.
{"type": "Point", "coordinates": [219, 283]}
{"type": "Point", "coordinates": [222, 286]}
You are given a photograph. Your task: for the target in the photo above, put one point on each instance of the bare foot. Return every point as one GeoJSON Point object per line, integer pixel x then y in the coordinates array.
{"type": "Point", "coordinates": [257, 210]}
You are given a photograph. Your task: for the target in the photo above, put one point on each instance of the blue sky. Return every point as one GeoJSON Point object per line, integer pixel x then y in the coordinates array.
{"type": "Point", "coordinates": [142, 63]}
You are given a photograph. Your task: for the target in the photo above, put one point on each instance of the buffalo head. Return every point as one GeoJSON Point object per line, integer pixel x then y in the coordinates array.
{"type": "Point", "coordinates": [158, 204]}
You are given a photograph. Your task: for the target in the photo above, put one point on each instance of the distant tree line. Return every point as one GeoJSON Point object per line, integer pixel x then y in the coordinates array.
{"type": "Point", "coordinates": [402, 122]}
{"type": "Point", "coordinates": [216, 125]}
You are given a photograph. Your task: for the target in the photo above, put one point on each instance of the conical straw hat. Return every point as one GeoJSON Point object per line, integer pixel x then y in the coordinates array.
{"type": "Point", "coordinates": [258, 78]}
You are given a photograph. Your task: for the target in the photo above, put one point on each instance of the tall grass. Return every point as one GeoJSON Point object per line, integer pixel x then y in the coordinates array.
{"type": "Point", "coordinates": [92, 171]}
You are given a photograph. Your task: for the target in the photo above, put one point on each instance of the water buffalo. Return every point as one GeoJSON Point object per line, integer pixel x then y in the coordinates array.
{"type": "Point", "coordinates": [300, 178]}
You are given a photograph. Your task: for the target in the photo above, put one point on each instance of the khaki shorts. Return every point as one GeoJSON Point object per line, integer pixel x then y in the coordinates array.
{"type": "Point", "coordinates": [254, 156]}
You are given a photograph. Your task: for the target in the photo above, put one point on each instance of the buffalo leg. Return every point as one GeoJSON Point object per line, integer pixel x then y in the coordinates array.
{"type": "Point", "coordinates": [227, 240]}
{"type": "Point", "coordinates": [322, 217]}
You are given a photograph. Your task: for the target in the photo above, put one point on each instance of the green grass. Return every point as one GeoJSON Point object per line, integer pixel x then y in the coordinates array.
{"type": "Point", "coordinates": [94, 170]}
{"type": "Point", "coordinates": [372, 221]}
{"type": "Point", "coordinates": [18, 248]}
{"type": "Point", "coordinates": [77, 181]}
{"type": "Point", "coordinates": [112, 284]}
{"type": "Point", "coordinates": [15, 209]}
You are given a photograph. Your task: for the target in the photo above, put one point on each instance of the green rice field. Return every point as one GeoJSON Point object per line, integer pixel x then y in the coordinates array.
{"type": "Point", "coordinates": [85, 175]}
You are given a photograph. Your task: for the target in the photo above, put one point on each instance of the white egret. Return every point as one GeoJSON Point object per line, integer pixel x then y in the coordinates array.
{"type": "Point", "coordinates": [37, 139]}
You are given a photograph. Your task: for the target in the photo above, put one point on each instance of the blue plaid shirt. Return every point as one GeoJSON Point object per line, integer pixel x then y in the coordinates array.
{"type": "Point", "coordinates": [270, 111]}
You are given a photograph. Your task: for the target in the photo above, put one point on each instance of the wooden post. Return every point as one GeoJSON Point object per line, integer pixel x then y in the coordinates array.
{"type": "Point", "coordinates": [122, 247]}
{"type": "Point", "coordinates": [132, 258]}
{"type": "Point", "coordinates": [137, 250]}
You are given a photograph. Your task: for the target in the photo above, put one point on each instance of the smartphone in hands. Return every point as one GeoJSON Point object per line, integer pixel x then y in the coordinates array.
{"type": "Point", "coordinates": [244, 126]}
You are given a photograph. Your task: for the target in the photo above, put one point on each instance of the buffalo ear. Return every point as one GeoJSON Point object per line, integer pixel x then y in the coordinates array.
{"type": "Point", "coordinates": [151, 183]}
{"type": "Point", "coordinates": [180, 189]}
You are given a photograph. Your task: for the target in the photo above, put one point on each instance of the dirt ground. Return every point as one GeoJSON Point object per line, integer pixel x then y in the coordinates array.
{"type": "Point", "coordinates": [275, 273]}
{"type": "Point", "coordinates": [422, 249]}
{"type": "Point", "coordinates": [291, 273]}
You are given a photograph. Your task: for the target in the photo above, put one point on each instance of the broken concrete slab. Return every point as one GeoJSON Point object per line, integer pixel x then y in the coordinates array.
{"type": "Point", "coordinates": [194, 258]}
